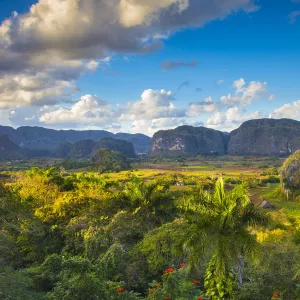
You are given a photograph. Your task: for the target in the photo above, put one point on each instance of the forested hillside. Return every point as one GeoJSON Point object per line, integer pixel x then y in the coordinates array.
{"type": "Point", "coordinates": [89, 236]}
{"type": "Point", "coordinates": [49, 139]}
{"type": "Point", "coordinates": [253, 137]}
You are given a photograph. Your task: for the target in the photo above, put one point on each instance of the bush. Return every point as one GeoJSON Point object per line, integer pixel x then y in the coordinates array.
{"type": "Point", "coordinates": [270, 179]}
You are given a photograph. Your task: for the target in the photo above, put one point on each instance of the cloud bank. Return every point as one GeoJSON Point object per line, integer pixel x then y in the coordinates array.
{"type": "Point", "coordinates": [44, 52]}
{"type": "Point", "coordinates": [58, 41]}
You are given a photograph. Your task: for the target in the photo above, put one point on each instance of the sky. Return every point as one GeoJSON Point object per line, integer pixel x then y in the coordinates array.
{"type": "Point", "coordinates": [140, 66]}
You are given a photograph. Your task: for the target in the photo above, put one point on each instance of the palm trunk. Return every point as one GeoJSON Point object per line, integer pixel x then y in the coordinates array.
{"type": "Point", "coordinates": [240, 268]}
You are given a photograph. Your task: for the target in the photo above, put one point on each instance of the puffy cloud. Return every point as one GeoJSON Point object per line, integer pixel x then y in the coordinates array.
{"type": "Point", "coordinates": [151, 126]}
{"type": "Point", "coordinates": [221, 81]}
{"type": "Point", "coordinates": [54, 84]}
{"type": "Point", "coordinates": [154, 104]}
{"type": "Point", "coordinates": [153, 112]}
{"type": "Point", "coordinates": [136, 12]}
{"type": "Point", "coordinates": [171, 65]}
{"type": "Point", "coordinates": [245, 95]}
{"type": "Point", "coordinates": [4, 117]}
{"type": "Point", "coordinates": [289, 110]}
{"type": "Point", "coordinates": [139, 126]}
{"type": "Point", "coordinates": [198, 108]}
{"type": "Point", "coordinates": [36, 89]}
{"type": "Point", "coordinates": [159, 124]}
{"type": "Point", "coordinates": [217, 119]}
{"type": "Point", "coordinates": [90, 28]}
{"type": "Point", "coordinates": [114, 127]}
{"type": "Point", "coordinates": [230, 119]}
{"type": "Point", "coordinates": [89, 110]}
{"type": "Point", "coordinates": [26, 115]}
{"type": "Point", "coordinates": [239, 85]}
{"type": "Point", "coordinates": [58, 41]}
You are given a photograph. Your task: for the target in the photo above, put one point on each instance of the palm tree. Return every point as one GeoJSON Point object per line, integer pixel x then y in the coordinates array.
{"type": "Point", "coordinates": [150, 199]}
{"type": "Point", "coordinates": [219, 222]}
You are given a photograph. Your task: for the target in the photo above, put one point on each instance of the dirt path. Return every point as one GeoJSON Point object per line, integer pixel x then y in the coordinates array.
{"type": "Point", "coordinates": [256, 198]}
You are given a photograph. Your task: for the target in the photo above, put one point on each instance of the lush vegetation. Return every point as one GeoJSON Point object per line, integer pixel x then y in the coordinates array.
{"type": "Point", "coordinates": [140, 235]}
{"type": "Point", "coordinates": [110, 161]}
{"type": "Point", "coordinates": [290, 174]}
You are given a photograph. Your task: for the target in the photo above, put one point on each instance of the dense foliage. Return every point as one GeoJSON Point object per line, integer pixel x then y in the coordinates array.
{"type": "Point", "coordinates": [110, 161]}
{"type": "Point", "coordinates": [86, 236]}
{"type": "Point", "coordinates": [219, 226]}
{"type": "Point", "coordinates": [290, 174]}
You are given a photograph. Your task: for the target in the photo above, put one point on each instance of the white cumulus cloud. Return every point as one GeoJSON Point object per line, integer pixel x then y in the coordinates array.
{"type": "Point", "coordinates": [154, 104]}
{"type": "Point", "coordinates": [245, 94]}
{"type": "Point", "coordinates": [198, 108]}
{"type": "Point", "coordinates": [43, 51]}
{"type": "Point", "coordinates": [289, 110]}
{"type": "Point", "coordinates": [89, 110]}
{"type": "Point", "coordinates": [230, 119]}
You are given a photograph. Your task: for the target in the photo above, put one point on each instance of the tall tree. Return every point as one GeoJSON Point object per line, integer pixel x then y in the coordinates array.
{"type": "Point", "coordinates": [150, 199]}
{"type": "Point", "coordinates": [219, 222]}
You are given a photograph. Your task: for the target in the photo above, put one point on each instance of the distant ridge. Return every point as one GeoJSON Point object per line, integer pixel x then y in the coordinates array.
{"type": "Point", "coordinates": [87, 148]}
{"type": "Point", "coordinates": [81, 149]}
{"type": "Point", "coordinates": [188, 140]}
{"type": "Point", "coordinates": [265, 137]}
{"type": "Point", "coordinates": [40, 138]}
{"type": "Point", "coordinates": [10, 150]}
{"type": "Point", "coordinates": [254, 137]}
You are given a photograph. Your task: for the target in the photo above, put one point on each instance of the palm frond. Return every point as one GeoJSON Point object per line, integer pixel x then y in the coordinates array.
{"type": "Point", "coordinates": [254, 217]}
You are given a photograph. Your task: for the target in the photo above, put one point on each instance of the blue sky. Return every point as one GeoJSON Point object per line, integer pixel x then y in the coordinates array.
{"type": "Point", "coordinates": [229, 61]}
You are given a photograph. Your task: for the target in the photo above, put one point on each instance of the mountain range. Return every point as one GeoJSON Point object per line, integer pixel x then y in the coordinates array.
{"type": "Point", "coordinates": [254, 137]}
{"type": "Point", "coordinates": [39, 138]}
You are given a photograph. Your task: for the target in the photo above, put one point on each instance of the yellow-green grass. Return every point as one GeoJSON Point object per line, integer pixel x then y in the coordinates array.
{"type": "Point", "coordinates": [227, 166]}
{"type": "Point", "coordinates": [290, 208]}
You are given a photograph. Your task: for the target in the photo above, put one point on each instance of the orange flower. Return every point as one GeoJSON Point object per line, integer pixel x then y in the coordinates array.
{"type": "Point", "coordinates": [168, 298]}
{"type": "Point", "coordinates": [200, 298]}
{"type": "Point", "coordinates": [158, 285]}
{"type": "Point", "coordinates": [275, 296]}
{"type": "Point", "coordinates": [122, 289]}
{"type": "Point", "coordinates": [196, 282]}
{"type": "Point", "coordinates": [151, 291]}
{"type": "Point", "coordinates": [118, 291]}
{"type": "Point", "coordinates": [169, 270]}
{"type": "Point", "coordinates": [182, 265]}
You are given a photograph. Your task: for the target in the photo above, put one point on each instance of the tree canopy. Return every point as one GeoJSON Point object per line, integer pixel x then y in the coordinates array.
{"type": "Point", "coordinates": [290, 173]}
{"type": "Point", "coordinates": [110, 161]}
{"type": "Point", "coordinates": [87, 235]}
{"type": "Point", "coordinates": [220, 222]}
